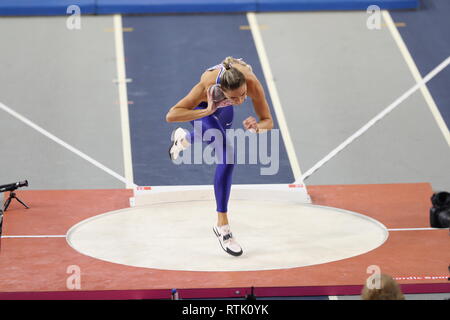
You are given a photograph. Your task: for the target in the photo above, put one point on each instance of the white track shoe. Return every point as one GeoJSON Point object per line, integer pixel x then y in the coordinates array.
{"type": "Point", "coordinates": [226, 240]}
{"type": "Point", "coordinates": [178, 138]}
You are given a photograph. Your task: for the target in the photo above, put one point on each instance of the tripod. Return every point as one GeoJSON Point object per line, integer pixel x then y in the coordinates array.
{"type": "Point", "coordinates": [12, 195]}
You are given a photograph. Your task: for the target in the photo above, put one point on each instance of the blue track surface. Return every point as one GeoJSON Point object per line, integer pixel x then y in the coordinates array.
{"type": "Point", "coordinates": [310, 5]}
{"type": "Point", "coordinates": [174, 6]}
{"type": "Point", "coordinates": [44, 7]}
{"type": "Point", "coordinates": [165, 57]}
{"type": "Point", "coordinates": [58, 7]}
{"type": "Point", "coordinates": [427, 36]}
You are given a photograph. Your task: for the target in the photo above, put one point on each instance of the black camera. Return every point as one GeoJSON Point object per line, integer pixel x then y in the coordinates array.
{"type": "Point", "coordinates": [13, 186]}
{"type": "Point", "coordinates": [440, 212]}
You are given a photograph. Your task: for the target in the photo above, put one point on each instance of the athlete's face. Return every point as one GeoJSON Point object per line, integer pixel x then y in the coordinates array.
{"type": "Point", "coordinates": [238, 95]}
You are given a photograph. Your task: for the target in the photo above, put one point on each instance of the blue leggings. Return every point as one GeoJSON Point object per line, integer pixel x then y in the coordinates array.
{"type": "Point", "coordinates": [221, 120]}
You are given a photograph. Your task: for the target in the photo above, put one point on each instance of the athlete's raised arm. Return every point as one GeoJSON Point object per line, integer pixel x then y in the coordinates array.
{"type": "Point", "coordinates": [261, 107]}
{"type": "Point", "coordinates": [183, 111]}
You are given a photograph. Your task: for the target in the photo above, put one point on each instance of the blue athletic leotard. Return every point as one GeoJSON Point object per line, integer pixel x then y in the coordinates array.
{"type": "Point", "coordinates": [221, 119]}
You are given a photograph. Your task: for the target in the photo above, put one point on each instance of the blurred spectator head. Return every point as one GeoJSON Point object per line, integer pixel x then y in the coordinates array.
{"type": "Point", "coordinates": [388, 290]}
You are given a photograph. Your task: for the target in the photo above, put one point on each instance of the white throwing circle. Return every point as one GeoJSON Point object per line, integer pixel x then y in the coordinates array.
{"type": "Point", "coordinates": [273, 235]}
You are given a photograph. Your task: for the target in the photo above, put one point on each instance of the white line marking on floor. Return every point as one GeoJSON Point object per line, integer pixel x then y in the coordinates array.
{"type": "Point", "coordinates": [44, 236]}
{"type": "Point", "coordinates": [416, 74]}
{"type": "Point", "coordinates": [259, 44]}
{"type": "Point", "coordinates": [64, 144]}
{"type": "Point", "coordinates": [123, 30]}
{"type": "Point", "coordinates": [415, 229]}
{"type": "Point", "coordinates": [330, 297]}
{"type": "Point", "coordinates": [374, 120]}
{"type": "Point", "coordinates": [123, 100]}
{"type": "Point", "coordinates": [121, 80]}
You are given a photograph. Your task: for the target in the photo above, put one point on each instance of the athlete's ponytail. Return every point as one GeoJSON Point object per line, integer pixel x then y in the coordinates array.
{"type": "Point", "coordinates": [232, 78]}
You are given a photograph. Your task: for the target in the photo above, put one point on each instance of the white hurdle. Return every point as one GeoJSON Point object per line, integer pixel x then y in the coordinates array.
{"type": "Point", "coordinates": [296, 193]}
